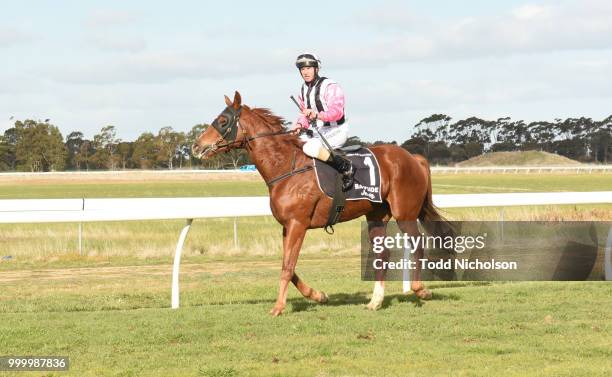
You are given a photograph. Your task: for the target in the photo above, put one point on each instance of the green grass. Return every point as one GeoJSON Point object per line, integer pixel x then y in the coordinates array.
{"type": "Point", "coordinates": [200, 186]}
{"type": "Point", "coordinates": [109, 310]}
{"type": "Point", "coordinates": [152, 188]}
{"type": "Point", "coordinates": [480, 183]}
{"type": "Point", "coordinates": [117, 322]}
{"type": "Point", "coordinates": [521, 158]}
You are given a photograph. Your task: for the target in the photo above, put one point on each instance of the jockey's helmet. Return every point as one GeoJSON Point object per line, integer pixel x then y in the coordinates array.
{"type": "Point", "coordinates": [308, 60]}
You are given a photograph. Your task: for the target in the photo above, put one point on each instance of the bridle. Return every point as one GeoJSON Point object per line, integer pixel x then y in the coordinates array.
{"type": "Point", "coordinates": [229, 131]}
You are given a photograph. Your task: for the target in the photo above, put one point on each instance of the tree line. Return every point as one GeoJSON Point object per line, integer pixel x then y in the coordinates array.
{"type": "Point", "coordinates": [442, 141]}
{"type": "Point", "coordinates": [35, 145]}
{"type": "Point", "coordinates": [39, 146]}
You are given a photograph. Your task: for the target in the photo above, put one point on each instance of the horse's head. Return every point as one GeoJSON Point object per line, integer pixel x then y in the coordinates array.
{"type": "Point", "coordinates": [222, 135]}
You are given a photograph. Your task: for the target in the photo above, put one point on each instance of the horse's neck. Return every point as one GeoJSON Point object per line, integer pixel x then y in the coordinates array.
{"type": "Point", "coordinates": [272, 155]}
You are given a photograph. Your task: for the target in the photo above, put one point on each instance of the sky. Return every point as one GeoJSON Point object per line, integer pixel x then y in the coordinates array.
{"type": "Point", "coordinates": [144, 65]}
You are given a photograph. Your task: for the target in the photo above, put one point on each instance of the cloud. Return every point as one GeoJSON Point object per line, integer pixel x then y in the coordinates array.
{"type": "Point", "coordinates": [113, 43]}
{"type": "Point", "coordinates": [14, 37]}
{"type": "Point", "coordinates": [160, 67]}
{"type": "Point", "coordinates": [530, 11]}
{"type": "Point", "coordinates": [103, 18]}
{"type": "Point", "coordinates": [530, 28]}
{"type": "Point", "coordinates": [392, 16]}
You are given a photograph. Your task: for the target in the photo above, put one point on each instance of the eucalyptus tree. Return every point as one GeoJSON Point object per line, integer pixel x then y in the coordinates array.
{"type": "Point", "coordinates": [8, 142]}
{"type": "Point", "coordinates": [145, 151]}
{"type": "Point", "coordinates": [168, 145]}
{"type": "Point", "coordinates": [105, 145]}
{"type": "Point", "coordinates": [74, 140]}
{"type": "Point", "coordinates": [39, 146]}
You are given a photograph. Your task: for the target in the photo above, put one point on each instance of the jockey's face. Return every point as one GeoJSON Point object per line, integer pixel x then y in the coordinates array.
{"type": "Point", "coordinates": [308, 73]}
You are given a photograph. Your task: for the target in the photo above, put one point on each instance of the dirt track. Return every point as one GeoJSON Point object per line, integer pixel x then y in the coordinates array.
{"type": "Point", "coordinates": [214, 268]}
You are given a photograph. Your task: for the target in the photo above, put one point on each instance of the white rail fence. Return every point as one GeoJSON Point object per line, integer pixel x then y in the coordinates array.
{"type": "Point", "coordinates": [16, 211]}
{"type": "Point", "coordinates": [435, 169]}
{"type": "Point", "coordinates": [588, 169]}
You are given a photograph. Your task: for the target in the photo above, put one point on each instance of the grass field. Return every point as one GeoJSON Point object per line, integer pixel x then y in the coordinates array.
{"type": "Point", "coordinates": [519, 158]}
{"type": "Point", "coordinates": [108, 310]}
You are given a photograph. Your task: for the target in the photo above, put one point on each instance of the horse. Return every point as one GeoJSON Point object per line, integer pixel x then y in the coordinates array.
{"type": "Point", "coordinates": [298, 204]}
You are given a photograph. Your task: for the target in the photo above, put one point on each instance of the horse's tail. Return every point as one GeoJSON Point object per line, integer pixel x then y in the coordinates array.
{"type": "Point", "coordinates": [429, 215]}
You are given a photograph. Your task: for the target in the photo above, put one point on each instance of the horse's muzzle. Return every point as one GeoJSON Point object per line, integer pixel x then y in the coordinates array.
{"type": "Point", "coordinates": [197, 150]}
{"type": "Point", "coordinates": [201, 152]}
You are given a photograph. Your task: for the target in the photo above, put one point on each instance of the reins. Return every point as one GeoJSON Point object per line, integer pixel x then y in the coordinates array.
{"type": "Point", "coordinates": [293, 171]}
{"type": "Point", "coordinates": [244, 143]}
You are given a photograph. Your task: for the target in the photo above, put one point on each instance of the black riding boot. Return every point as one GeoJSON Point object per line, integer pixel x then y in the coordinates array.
{"type": "Point", "coordinates": [344, 167]}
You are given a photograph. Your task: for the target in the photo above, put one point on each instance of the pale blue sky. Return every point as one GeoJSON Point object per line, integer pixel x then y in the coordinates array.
{"type": "Point", "coordinates": [143, 65]}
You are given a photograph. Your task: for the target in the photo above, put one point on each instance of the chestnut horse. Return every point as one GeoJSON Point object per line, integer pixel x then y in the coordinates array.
{"type": "Point", "coordinates": [298, 204]}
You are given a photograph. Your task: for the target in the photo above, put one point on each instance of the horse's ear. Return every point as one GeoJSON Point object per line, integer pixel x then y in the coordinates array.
{"type": "Point", "coordinates": [228, 102]}
{"type": "Point", "coordinates": [237, 100]}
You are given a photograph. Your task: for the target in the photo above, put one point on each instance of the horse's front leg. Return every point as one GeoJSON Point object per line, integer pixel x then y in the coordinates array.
{"type": "Point", "coordinates": [309, 293]}
{"type": "Point", "coordinates": [293, 236]}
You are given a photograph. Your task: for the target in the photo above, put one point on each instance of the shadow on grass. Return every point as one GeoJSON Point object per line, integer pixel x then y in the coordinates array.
{"type": "Point", "coordinates": [457, 284]}
{"type": "Point", "coordinates": [362, 298]}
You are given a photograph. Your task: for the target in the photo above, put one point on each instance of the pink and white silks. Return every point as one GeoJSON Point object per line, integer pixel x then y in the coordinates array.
{"type": "Point", "coordinates": [332, 99]}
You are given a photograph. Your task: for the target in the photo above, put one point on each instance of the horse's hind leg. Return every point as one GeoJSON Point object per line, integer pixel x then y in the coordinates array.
{"type": "Point", "coordinates": [405, 207]}
{"type": "Point", "coordinates": [306, 291]}
{"type": "Point", "coordinates": [377, 226]}
{"type": "Point", "coordinates": [416, 285]}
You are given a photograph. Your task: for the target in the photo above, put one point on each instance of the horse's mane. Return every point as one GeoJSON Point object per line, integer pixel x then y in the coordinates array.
{"type": "Point", "coordinates": [274, 122]}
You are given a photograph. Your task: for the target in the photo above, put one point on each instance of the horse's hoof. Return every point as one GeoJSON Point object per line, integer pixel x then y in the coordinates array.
{"type": "Point", "coordinates": [275, 312]}
{"type": "Point", "coordinates": [324, 298]}
{"type": "Point", "coordinates": [374, 305]}
{"type": "Point", "coordinates": [423, 294]}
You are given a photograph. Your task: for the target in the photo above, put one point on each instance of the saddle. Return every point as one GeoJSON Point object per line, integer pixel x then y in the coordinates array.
{"type": "Point", "coordinates": [367, 181]}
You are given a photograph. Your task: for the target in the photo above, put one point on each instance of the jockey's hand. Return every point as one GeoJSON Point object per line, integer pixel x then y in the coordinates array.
{"type": "Point", "coordinates": [310, 114]}
{"type": "Point", "coordinates": [298, 130]}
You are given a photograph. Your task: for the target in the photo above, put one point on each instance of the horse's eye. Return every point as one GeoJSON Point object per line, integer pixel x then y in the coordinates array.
{"type": "Point", "coordinates": [222, 121]}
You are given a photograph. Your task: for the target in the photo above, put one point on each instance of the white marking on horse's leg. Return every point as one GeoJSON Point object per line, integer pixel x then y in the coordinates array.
{"type": "Point", "coordinates": [406, 271]}
{"type": "Point", "coordinates": [377, 296]}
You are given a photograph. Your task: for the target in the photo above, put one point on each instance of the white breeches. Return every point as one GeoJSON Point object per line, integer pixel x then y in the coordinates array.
{"type": "Point", "coordinates": [335, 135]}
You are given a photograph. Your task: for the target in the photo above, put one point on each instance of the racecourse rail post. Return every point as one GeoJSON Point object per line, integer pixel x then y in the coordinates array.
{"type": "Point", "coordinates": [177, 264]}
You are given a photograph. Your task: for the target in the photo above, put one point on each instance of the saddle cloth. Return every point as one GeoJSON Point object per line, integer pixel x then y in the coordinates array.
{"type": "Point", "coordinates": [367, 176]}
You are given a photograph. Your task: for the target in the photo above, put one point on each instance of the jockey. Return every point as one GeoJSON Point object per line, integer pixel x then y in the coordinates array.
{"type": "Point", "coordinates": [322, 103]}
